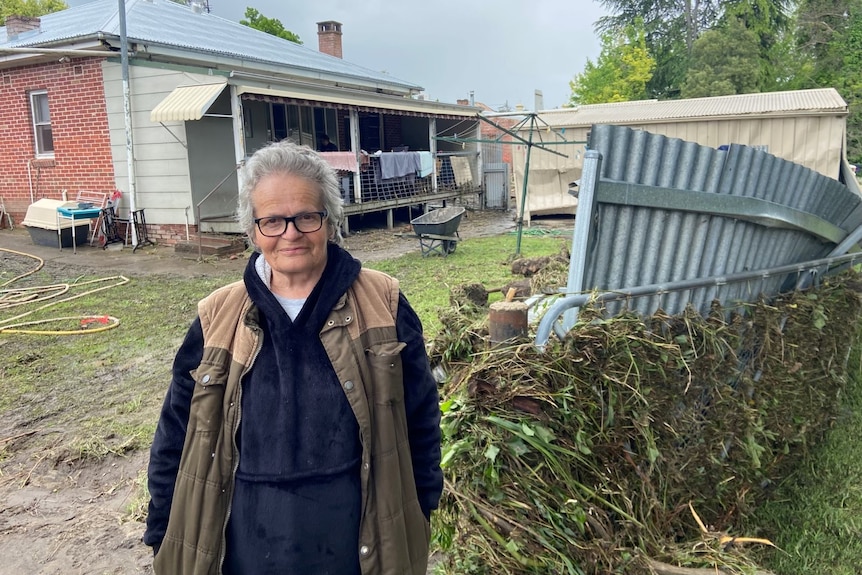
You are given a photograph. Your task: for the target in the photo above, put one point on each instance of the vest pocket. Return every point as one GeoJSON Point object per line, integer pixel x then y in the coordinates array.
{"type": "Point", "coordinates": [208, 398]}
{"type": "Point", "coordinates": [385, 392]}
{"type": "Point", "coordinates": [387, 380]}
{"type": "Point", "coordinates": [404, 541]}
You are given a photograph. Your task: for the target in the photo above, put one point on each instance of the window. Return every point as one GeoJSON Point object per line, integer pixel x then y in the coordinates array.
{"type": "Point", "coordinates": [42, 123]}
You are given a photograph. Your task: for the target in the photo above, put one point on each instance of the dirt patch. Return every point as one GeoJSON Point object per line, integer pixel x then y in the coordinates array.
{"type": "Point", "coordinates": [59, 517]}
{"type": "Point", "coordinates": [72, 520]}
{"type": "Point", "coordinates": [370, 240]}
{"type": "Point", "coordinates": [376, 242]}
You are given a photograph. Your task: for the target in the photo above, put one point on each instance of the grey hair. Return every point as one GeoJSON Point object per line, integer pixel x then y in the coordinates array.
{"type": "Point", "coordinates": [288, 158]}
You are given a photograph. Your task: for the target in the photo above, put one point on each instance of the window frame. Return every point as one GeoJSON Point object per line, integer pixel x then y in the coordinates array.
{"type": "Point", "coordinates": [39, 124]}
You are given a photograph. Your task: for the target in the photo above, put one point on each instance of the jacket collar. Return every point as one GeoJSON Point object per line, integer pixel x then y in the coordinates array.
{"type": "Point", "coordinates": [341, 271]}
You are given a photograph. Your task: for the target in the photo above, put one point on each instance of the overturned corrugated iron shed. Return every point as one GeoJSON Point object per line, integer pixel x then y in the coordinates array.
{"type": "Point", "coordinates": [677, 224]}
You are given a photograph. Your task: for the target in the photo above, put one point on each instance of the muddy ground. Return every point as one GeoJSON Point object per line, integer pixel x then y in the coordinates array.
{"type": "Point", "coordinates": [63, 519]}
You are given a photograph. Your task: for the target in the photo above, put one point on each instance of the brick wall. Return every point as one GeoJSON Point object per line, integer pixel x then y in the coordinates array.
{"type": "Point", "coordinates": [331, 44]}
{"type": "Point", "coordinates": [169, 234]}
{"type": "Point", "coordinates": [82, 152]}
{"type": "Point", "coordinates": [490, 132]}
{"type": "Point", "coordinates": [343, 135]}
{"type": "Point", "coordinates": [329, 38]}
{"type": "Point", "coordinates": [391, 132]}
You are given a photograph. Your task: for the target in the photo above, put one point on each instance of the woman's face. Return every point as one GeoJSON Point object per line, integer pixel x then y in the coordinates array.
{"type": "Point", "coordinates": [296, 258]}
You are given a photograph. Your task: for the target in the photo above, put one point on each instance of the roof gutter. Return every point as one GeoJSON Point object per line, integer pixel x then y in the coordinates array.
{"type": "Point", "coordinates": [59, 52]}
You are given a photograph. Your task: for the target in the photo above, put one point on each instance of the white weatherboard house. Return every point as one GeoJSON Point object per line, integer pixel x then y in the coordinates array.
{"type": "Point", "coordinates": [202, 94]}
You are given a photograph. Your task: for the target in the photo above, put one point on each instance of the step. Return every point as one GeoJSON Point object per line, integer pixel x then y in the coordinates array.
{"type": "Point", "coordinates": [213, 245]}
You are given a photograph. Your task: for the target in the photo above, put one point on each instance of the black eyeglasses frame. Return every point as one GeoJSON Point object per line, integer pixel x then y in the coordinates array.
{"type": "Point", "coordinates": [287, 220]}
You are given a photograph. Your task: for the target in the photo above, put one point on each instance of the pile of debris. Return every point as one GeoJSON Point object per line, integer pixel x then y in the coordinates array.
{"type": "Point", "coordinates": [634, 445]}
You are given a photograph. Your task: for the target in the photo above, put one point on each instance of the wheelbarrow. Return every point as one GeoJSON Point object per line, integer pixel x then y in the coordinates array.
{"type": "Point", "coordinates": [438, 230]}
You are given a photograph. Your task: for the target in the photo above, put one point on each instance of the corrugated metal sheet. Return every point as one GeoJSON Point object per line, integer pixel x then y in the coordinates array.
{"type": "Point", "coordinates": [170, 24]}
{"type": "Point", "coordinates": [621, 243]}
{"type": "Point", "coordinates": [766, 104]}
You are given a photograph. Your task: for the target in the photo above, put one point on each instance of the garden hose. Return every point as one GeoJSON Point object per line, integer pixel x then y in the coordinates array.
{"type": "Point", "coordinates": [34, 270]}
{"type": "Point", "coordinates": [12, 297]}
{"type": "Point", "coordinates": [107, 321]}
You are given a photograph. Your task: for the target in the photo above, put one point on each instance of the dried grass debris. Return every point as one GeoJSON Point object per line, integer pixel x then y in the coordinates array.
{"type": "Point", "coordinates": [586, 458]}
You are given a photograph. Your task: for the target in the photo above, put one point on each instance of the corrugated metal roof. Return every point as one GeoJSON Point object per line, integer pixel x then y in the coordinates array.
{"type": "Point", "coordinates": [639, 241]}
{"type": "Point", "coordinates": [822, 100]}
{"type": "Point", "coordinates": [165, 23]}
{"type": "Point", "coordinates": [187, 102]}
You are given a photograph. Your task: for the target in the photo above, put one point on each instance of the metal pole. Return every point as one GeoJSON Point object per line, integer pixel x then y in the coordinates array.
{"type": "Point", "coordinates": [524, 192]}
{"type": "Point", "coordinates": [592, 171]}
{"type": "Point", "coordinates": [127, 115]}
{"type": "Point", "coordinates": [549, 322]}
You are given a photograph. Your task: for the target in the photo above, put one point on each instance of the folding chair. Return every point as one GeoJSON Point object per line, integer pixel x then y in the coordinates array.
{"type": "Point", "coordinates": [5, 214]}
{"type": "Point", "coordinates": [100, 201]}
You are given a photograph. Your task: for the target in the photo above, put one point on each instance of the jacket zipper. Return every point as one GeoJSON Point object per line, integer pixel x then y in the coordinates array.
{"type": "Point", "coordinates": [223, 546]}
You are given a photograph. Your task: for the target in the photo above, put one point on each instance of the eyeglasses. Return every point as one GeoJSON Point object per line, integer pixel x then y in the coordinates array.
{"type": "Point", "coordinates": [304, 222]}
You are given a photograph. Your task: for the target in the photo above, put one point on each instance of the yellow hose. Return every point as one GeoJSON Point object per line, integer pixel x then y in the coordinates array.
{"type": "Point", "coordinates": [34, 270]}
{"type": "Point", "coordinates": [109, 321]}
{"type": "Point", "coordinates": [12, 297]}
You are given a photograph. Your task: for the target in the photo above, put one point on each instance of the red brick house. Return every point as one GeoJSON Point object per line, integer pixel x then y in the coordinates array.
{"type": "Point", "coordinates": [75, 154]}
{"type": "Point", "coordinates": [198, 95]}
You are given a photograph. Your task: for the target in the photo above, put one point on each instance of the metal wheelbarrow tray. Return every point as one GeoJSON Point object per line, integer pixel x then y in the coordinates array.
{"type": "Point", "coordinates": [438, 230]}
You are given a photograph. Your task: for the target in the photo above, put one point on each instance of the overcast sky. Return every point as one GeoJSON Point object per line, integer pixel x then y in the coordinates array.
{"type": "Point", "coordinates": [501, 50]}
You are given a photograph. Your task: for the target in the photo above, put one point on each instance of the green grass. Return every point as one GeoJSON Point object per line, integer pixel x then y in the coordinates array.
{"type": "Point", "coordinates": [815, 517]}
{"type": "Point", "coordinates": [426, 281]}
{"type": "Point", "coordinates": [96, 394]}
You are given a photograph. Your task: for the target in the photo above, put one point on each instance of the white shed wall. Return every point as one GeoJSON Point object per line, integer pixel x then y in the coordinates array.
{"type": "Point", "coordinates": [814, 141]}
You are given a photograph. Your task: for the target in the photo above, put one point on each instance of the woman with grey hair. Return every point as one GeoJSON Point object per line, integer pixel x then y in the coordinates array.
{"type": "Point", "coordinates": [300, 432]}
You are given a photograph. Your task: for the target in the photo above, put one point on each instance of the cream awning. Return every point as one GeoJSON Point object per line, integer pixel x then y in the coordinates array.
{"type": "Point", "coordinates": [187, 102]}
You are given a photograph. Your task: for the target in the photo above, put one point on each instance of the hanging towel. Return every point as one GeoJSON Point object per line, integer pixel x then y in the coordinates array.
{"type": "Point", "coordinates": [397, 164]}
{"type": "Point", "coordinates": [426, 164]}
{"type": "Point", "coordinates": [344, 161]}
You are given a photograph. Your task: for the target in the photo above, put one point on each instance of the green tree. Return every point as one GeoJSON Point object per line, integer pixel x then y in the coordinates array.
{"type": "Point", "coordinates": [30, 8]}
{"type": "Point", "coordinates": [788, 64]}
{"type": "Point", "coordinates": [769, 21]}
{"type": "Point", "coordinates": [620, 74]}
{"type": "Point", "coordinates": [681, 19]}
{"type": "Point", "coordinates": [851, 86]}
{"type": "Point", "coordinates": [258, 21]}
{"type": "Point", "coordinates": [670, 28]}
{"type": "Point", "coordinates": [673, 26]}
{"type": "Point", "coordinates": [724, 61]}
{"type": "Point", "coordinates": [820, 29]}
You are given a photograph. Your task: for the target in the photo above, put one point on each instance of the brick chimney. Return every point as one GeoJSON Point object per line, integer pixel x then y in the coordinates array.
{"type": "Point", "coordinates": [329, 38]}
{"type": "Point", "coordinates": [464, 102]}
{"type": "Point", "coordinates": [16, 25]}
